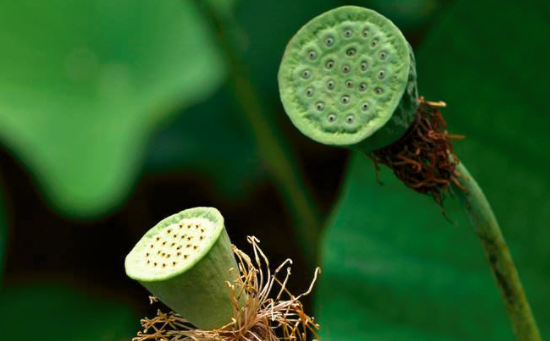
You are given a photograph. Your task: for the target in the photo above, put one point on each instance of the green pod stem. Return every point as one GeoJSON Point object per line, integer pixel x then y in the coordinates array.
{"type": "Point", "coordinates": [496, 250]}
{"type": "Point", "coordinates": [185, 261]}
{"type": "Point", "coordinates": [348, 79]}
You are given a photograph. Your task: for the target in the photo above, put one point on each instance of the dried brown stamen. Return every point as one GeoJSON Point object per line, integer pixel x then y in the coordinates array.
{"type": "Point", "coordinates": [423, 158]}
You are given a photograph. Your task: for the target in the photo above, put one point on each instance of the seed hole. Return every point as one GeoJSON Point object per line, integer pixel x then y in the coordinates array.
{"type": "Point", "coordinates": [345, 99]}
{"type": "Point", "coordinates": [163, 265]}
{"type": "Point", "coordinates": [188, 245]}
{"type": "Point", "coordinates": [164, 243]}
{"type": "Point", "coordinates": [185, 256]}
{"type": "Point", "coordinates": [348, 33]}
{"type": "Point", "coordinates": [201, 237]}
{"type": "Point", "coordinates": [320, 106]}
{"type": "Point", "coordinates": [331, 118]}
{"type": "Point", "coordinates": [173, 263]}
{"type": "Point", "coordinates": [202, 230]}
{"type": "Point", "coordinates": [196, 226]}
{"type": "Point", "coordinates": [364, 66]}
{"type": "Point", "coordinates": [329, 41]}
{"type": "Point", "coordinates": [312, 55]}
{"type": "Point", "coordinates": [172, 244]}
{"type": "Point", "coordinates": [383, 55]}
{"type": "Point", "coordinates": [379, 91]}
{"type": "Point", "coordinates": [181, 225]}
{"type": "Point", "coordinates": [148, 262]}
{"type": "Point", "coordinates": [305, 75]}
{"type": "Point", "coordinates": [195, 247]}
{"type": "Point", "coordinates": [350, 119]}
{"type": "Point", "coordinates": [151, 246]}
{"type": "Point", "coordinates": [155, 264]}
{"type": "Point", "coordinates": [364, 107]}
{"type": "Point", "coordinates": [349, 84]}
{"type": "Point", "coordinates": [169, 231]}
{"type": "Point", "coordinates": [175, 236]}
{"type": "Point", "coordinates": [381, 74]}
{"type": "Point", "coordinates": [365, 33]}
{"type": "Point", "coordinates": [309, 92]}
{"type": "Point", "coordinates": [331, 85]}
{"type": "Point", "coordinates": [330, 64]}
{"type": "Point", "coordinates": [158, 238]}
{"type": "Point", "coordinates": [362, 86]}
{"type": "Point", "coordinates": [158, 252]}
{"type": "Point", "coordinates": [374, 43]}
{"type": "Point", "coordinates": [190, 237]}
{"type": "Point", "coordinates": [346, 69]}
{"type": "Point", "coordinates": [351, 52]}
{"type": "Point", "coordinates": [147, 254]}
{"type": "Point", "coordinates": [178, 254]}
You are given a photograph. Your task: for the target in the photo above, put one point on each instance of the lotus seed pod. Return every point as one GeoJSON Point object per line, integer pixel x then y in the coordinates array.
{"type": "Point", "coordinates": [348, 78]}
{"type": "Point", "coordinates": [185, 261]}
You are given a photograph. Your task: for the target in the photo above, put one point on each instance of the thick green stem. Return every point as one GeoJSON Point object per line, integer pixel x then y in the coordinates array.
{"type": "Point", "coordinates": [496, 250]}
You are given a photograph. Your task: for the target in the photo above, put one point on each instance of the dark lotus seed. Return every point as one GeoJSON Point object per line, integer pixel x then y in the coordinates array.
{"type": "Point", "coordinates": [349, 84]}
{"type": "Point", "coordinates": [348, 33]}
{"type": "Point", "coordinates": [329, 41]}
{"type": "Point", "coordinates": [350, 119]}
{"type": "Point", "coordinates": [309, 92]}
{"type": "Point", "coordinates": [312, 55]}
{"type": "Point", "coordinates": [364, 107]}
{"type": "Point", "coordinates": [331, 117]}
{"type": "Point", "coordinates": [381, 74]}
{"type": "Point", "coordinates": [362, 86]}
{"type": "Point", "coordinates": [330, 64]}
{"type": "Point", "coordinates": [306, 74]}
{"type": "Point", "coordinates": [320, 106]}
{"type": "Point", "coordinates": [383, 55]}
{"type": "Point", "coordinates": [364, 66]}
{"type": "Point", "coordinates": [345, 99]}
{"type": "Point", "coordinates": [330, 85]}
{"type": "Point", "coordinates": [346, 69]}
{"type": "Point", "coordinates": [379, 91]}
{"type": "Point", "coordinates": [374, 43]}
{"type": "Point", "coordinates": [365, 33]}
{"type": "Point", "coordinates": [351, 52]}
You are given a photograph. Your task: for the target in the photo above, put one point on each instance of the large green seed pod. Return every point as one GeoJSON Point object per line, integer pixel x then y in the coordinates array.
{"type": "Point", "coordinates": [348, 79]}
{"type": "Point", "coordinates": [185, 261]}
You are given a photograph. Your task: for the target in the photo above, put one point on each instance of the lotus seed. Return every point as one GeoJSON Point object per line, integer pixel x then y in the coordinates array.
{"type": "Point", "coordinates": [329, 41]}
{"type": "Point", "coordinates": [306, 74]}
{"type": "Point", "coordinates": [312, 55]}
{"type": "Point", "coordinates": [309, 92]}
{"type": "Point", "coordinates": [345, 99]}
{"type": "Point", "coordinates": [330, 64]}
{"type": "Point", "coordinates": [362, 86]}
{"type": "Point", "coordinates": [348, 33]}
{"type": "Point", "coordinates": [365, 33]}
{"type": "Point", "coordinates": [381, 74]}
{"type": "Point", "coordinates": [331, 85]}
{"type": "Point", "coordinates": [331, 117]}
{"type": "Point", "coordinates": [379, 91]}
{"type": "Point", "coordinates": [320, 106]}
{"type": "Point", "coordinates": [383, 55]}
{"type": "Point", "coordinates": [346, 69]}
{"type": "Point", "coordinates": [351, 52]}
{"type": "Point", "coordinates": [374, 43]}
{"type": "Point", "coordinates": [349, 84]}
{"type": "Point", "coordinates": [350, 119]}
{"type": "Point", "coordinates": [364, 107]}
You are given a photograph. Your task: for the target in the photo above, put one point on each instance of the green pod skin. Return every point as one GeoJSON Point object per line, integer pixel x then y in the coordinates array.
{"type": "Point", "coordinates": [348, 79]}
{"type": "Point", "coordinates": [185, 261]}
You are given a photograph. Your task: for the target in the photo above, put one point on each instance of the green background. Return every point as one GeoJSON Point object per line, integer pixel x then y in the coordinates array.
{"type": "Point", "coordinates": [116, 114]}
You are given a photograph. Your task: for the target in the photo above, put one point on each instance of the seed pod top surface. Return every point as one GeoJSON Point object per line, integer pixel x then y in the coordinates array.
{"type": "Point", "coordinates": [175, 244]}
{"type": "Point", "coordinates": [344, 74]}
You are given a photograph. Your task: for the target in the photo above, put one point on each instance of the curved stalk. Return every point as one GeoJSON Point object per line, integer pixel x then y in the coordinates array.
{"type": "Point", "coordinates": [496, 250]}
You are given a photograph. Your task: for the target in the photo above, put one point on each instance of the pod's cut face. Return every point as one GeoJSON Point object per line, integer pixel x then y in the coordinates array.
{"type": "Point", "coordinates": [344, 74]}
{"type": "Point", "coordinates": [174, 247]}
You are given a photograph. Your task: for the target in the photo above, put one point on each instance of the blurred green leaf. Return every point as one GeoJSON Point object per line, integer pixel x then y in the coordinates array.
{"type": "Point", "coordinates": [82, 84]}
{"type": "Point", "coordinates": [53, 312]}
{"type": "Point", "coordinates": [3, 236]}
{"type": "Point", "coordinates": [226, 155]}
{"type": "Point", "coordinates": [393, 268]}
